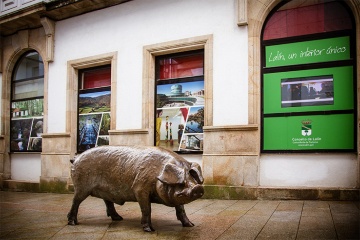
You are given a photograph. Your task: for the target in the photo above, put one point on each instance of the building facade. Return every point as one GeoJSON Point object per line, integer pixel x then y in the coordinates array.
{"type": "Point", "coordinates": [263, 94]}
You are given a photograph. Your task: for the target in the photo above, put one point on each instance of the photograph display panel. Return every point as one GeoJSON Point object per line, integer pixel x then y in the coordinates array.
{"type": "Point", "coordinates": [94, 119]}
{"type": "Point", "coordinates": [290, 98]}
{"type": "Point", "coordinates": [26, 125]}
{"type": "Point", "coordinates": [180, 116]}
{"type": "Point", "coordinates": [333, 90]}
{"type": "Point", "coordinates": [307, 91]}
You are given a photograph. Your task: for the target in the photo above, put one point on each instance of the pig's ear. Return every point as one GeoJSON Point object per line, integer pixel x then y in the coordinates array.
{"type": "Point", "coordinates": [172, 174]}
{"type": "Point", "coordinates": [195, 172]}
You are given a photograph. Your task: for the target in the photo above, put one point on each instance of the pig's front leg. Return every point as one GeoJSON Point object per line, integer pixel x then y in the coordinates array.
{"type": "Point", "coordinates": [181, 215]}
{"type": "Point", "coordinates": [145, 207]}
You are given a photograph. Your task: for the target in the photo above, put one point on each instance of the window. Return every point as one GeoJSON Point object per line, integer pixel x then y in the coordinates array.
{"type": "Point", "coordinates": [27, 104]}
{"type": "Point", "coordinates": [94, 107]}
{"type": "Point", "coordinates": [308, 85]}
{"type": "Point", "coordinates": [180, 101]}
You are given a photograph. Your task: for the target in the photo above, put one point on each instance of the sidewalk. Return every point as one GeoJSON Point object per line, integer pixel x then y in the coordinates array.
{"type": "Point", "coordinates": [43, 216]}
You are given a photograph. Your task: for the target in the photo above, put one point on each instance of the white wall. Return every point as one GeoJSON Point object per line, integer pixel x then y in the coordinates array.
{"type": "Point", "coordinates": [26, 167]}
{"type": "Point", "coordinates": [312, 170]}
{"type": "Point", "coordinates": [128, 27]}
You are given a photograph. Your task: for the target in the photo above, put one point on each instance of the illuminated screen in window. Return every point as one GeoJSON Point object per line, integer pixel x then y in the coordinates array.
{"type": "Point", "coordinates": [307, 91]}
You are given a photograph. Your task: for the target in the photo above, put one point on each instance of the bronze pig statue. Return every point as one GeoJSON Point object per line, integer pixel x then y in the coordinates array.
{"type": "Point", "coordinates": [119, 174]}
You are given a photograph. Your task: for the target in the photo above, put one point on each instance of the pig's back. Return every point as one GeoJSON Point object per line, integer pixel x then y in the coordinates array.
{"type": "Point", "coordinates": [109, 172]}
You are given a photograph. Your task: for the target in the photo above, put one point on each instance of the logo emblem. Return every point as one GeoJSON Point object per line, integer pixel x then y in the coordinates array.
{"type": "Point", "coordinates": [306, 128]}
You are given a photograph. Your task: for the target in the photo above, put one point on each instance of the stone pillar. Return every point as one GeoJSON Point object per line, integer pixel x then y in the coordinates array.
{"type": "Point", "coordinates": [231, 155]}
{"type": "Point", "coordinates": [55, 162]}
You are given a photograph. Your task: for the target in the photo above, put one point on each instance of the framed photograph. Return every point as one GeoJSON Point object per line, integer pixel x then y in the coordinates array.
{"type": "Point", "coordinates": [27, 108]}
{"type": "Point", "coordinates": [89, 126]}
{"type": "Point", "coordinates": [37, 127]}
{"type": "Point", "coordinates": [93, 102]}
{"type": "Point", "coordinates": [195, 120]}
{"type": "Point", "coordinates": [170, 127]}
{"type": "Point", "coordinates": [180, 94]}
{"type": "Point", "coordinates": [102, 140]}
{"type": "Point", "coordinates": [192, 142]}
{"type": "Point", "coordinates": [35, 144]}
{"type": "Point", "coordinates": [105, 124]}
{"type": "Point", "coordinates": [20, 134]}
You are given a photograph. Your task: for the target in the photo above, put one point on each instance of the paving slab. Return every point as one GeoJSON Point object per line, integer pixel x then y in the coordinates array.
{"type": "Point", "coordinates": [44, 216]}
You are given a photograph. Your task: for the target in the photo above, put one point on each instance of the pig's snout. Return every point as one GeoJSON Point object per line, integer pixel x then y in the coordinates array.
{"type": "Point", "coordinates": [197, 192]}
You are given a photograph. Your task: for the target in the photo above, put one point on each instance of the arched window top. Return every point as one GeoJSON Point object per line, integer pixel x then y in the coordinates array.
{"type": "Point", "coordinates": [298, 18]}
{"type": "Point", "coordinates": [30, 65]}
{"type": "Point", "coordinates": [28, 77]}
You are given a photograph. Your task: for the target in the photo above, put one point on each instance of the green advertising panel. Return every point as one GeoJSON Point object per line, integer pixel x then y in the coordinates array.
{"type": "Point", "coordinates": [315, 51]}
{"type": "Point", "coordinates": [312, 132]}
{"type": "Point", "coordinates": [323, 89]}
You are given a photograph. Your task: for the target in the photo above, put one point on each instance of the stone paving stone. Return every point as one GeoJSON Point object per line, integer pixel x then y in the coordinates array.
{"type": "Point", "coordinates": [247, 227]}
{"type": "Point", "coordinates": [216, 207]}
{"type": "Point", "coordinates": [346, 217]}
{"type": "Point", "coordinates": [41, 233]}
{"type": "Point", "coordinates": [265, 208]}
{"type": "Point", "coordinates": [316, 234]}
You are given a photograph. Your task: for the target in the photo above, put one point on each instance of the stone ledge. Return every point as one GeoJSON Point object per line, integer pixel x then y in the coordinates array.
{"type": "Point", "coordinates": [250, 127]}
{"type": "Point", "coordinates": [264, 193]}
{"type": "Point", "coordinates": [218, 192]}
{"type": "Point", "coordinates": [128, 131]}
{"type": "Point", "coordinates": [20, 186]}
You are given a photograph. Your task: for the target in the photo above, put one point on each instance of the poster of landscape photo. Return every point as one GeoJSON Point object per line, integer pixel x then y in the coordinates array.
{"type": "Point", "coordinates": [94, 119]}
{"type": "Point", "coordinates": [195, 121]}
{"type": "Point", "coordinates": [94, 102]}
{"type": "Point", "coordinates": [27, 108]}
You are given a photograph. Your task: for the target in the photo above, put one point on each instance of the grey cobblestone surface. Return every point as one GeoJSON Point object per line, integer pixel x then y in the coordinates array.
{"type": "Point", "coordinates": [43, 216]}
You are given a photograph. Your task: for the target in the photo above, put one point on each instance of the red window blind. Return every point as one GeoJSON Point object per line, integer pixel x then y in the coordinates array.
{"type": "Point", "coordinates": [97, 78]}
{"type": "Point", "coordinates": [312, 19]}
{"type": "Point", "coordinates": [179, 67]}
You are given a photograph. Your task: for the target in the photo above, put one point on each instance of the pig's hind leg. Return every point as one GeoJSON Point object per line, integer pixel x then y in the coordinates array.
{"type": "Point", "coordinates": [111, 212]}
{"type": "Point", "coordinates": [181, 215]}
{"type": "Point", "coordinates": [77, 200]}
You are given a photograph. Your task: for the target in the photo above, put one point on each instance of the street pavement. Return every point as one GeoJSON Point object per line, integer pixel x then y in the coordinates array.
{"type": "Point", "coordinates": [26, 215]}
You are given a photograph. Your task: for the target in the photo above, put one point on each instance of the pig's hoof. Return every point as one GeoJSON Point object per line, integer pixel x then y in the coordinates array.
{"type": "Point", "coordinates": [188, 224]}
{"type": "Point", "coordinates": [148, 229]}
{"type": "Point", "coordinates": [72, 222]}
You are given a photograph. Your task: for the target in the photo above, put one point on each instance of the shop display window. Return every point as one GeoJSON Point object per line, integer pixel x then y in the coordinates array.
{"type": "Point", "coordinates": [94, 108]}
{"type": "Point", "coordinates": [308, 79]}
{"type": "Point", "coordinates": [180, 101]}
{"type": "Point", "coordinates": [27, 104]}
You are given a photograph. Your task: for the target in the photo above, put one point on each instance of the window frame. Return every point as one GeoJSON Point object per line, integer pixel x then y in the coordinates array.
{"type": "Point", "coordinates": [81, 90]}
{"type": "Point", "coordinates": [178, 80]}
{"type": "Point", "coordinates": [35, 146]}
